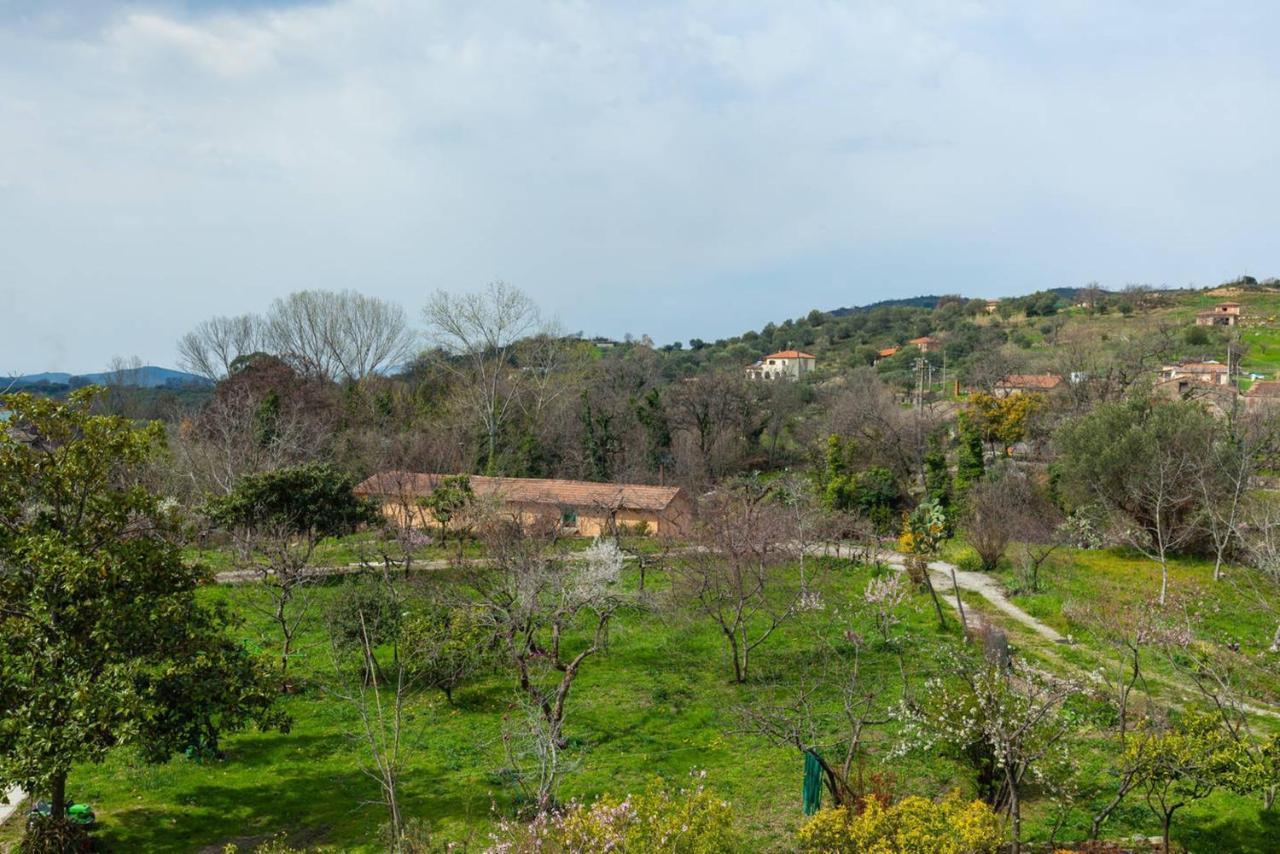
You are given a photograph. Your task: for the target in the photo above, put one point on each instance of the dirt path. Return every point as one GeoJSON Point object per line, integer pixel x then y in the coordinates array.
{"type": "Point", "coordinates": [980, 583]}
{"type": "Point", "coordinates": [15, 798]}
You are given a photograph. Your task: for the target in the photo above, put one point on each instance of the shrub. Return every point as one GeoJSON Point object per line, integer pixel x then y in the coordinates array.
{"type": "Point", "coordinates": [914, 825]}
{"type": "Point", "coordinates": [688, 820]}
{"type": "Point", "coordinates": [47, 835]}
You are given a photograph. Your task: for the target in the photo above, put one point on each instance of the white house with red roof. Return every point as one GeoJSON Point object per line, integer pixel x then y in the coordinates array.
{"type": "Point", "coordinates": [782, 365]}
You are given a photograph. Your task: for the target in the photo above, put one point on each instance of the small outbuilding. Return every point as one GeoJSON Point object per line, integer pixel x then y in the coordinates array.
{"type": "Point", "coordinates": [1222, 314]}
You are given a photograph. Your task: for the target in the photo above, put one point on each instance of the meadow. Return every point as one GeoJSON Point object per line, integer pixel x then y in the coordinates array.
{"type": "Point", "coordinates": [658, 703]}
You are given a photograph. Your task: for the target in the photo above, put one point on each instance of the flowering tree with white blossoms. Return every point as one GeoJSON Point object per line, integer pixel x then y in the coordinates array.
{"type": "Point", "coordinates": [537, 599]}
{"type": "Point", "coordinates": [1006, 722]}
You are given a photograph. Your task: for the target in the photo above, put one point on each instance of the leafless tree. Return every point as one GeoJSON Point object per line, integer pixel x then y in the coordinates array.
{"type": "Point", "coordinates": [341, 335]}
{"type": "Point", "coordinates": [284, 593]}
{"type": "Point", "coordinates": [379, 703]}
{"type": "Point", "coordinates": [1262, 549]}
{"type": "Point", "coordinates": [812, 718]}
{"type": "Point", "coordinates": [886, 433]}
{"type": "Point", "coordinates": [738, 576]}
{"type": "Point", "coordinates": [532, 596]}
{"type": "Point", "coordinates": [479, 334]}
{"type": "Point", "coordinates": [1231, 456]}
{"type": "Point", "coordinates": [215, 344]}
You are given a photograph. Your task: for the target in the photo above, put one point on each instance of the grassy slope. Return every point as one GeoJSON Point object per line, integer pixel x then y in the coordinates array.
{"type": "Point", "coordinates": [658, 703]}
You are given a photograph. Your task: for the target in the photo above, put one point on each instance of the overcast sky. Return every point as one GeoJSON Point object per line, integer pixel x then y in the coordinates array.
{"type": "Point", "coordinates": [673, 168]}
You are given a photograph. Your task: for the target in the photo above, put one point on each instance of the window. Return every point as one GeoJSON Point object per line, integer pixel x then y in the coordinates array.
{"type": "Point", "coordinates": [569, 518]}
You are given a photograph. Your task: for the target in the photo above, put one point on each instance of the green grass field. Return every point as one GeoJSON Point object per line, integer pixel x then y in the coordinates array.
{"type": "Point", "coordinates": [658, 703]}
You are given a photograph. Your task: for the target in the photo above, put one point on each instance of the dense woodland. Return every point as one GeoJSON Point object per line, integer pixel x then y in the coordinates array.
{"type": "Point", "coordinates": [190, 586]}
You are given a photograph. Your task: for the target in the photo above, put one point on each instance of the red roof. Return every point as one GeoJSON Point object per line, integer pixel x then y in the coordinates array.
{"type": "Point", "coordinates": [924, 339]}
{"type": "Point", "coordinates": [789, 354]}
{"type": "Point", "coordinates": [888, 351]}
{"type": "Point", "coordinates": [528, 490]}
{"type": "Point", "coordinates": [1042, 381]}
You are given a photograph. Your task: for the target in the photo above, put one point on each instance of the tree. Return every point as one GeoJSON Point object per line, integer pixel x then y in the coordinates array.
{"type": "Point", "coordinates": [1183, 763]}
{"type": "Point", "coordinates": [445, 646]}
{"type": "Point", "coordinates": [1003, 421]}
{"type": "Point", "coordinates": [479, 334]}
{"type": "Point", "coordinates": [1004, 507]}
{"type": "Point", "coordinates": [365, 624]}
{"type": "Point", "coordinates": [448, 503]}
{"type": "Point", "coordinates": [277, 518]}
{"type": "Point", "coordinates": [1005, 721]}
{"type": "Point", "coordinates": [1143, 460]}
{"type": "Point", "coordinates": [105, 643]}
{"type": "Point", "coordinates": [970, 458]}
{"type": "Point", "coordinates": [1232, 456]}
{"type": "Point", "coordinates": [341, 335]}
{"type": "Point", "coordinates": [833, 703]}
{"type": "Point", "coordinates": [216, 344]}
{"type": "Point", "coordinates": [738, 576]}
{"type": "Point", "coordinates": [531, 598]}
{"type": "Point", "coordinates": [923, 532]}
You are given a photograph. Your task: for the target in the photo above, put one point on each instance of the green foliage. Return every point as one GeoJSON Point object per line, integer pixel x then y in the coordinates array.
{"type": "Point", "coordinates": [450, 498]}
{"type": "Point", "coordinates": [970, 465]}
{"type": "Point", "coordinates": [601, 442]}
{"type": "Point", "coordinates": [872, 492]}
{"type": "Point", "coordinates": [1117, 454]}
{"type": "Point", "coordinates": [914, 825]}
{"type": "Point", "coordinates": [937, 477]}
{"type": "Point", "coordinates": [314, 500]}
{"type": "Point", "coordinates": [443, 647]}
{"type": "Point", "coordinates": [364, 608]}
{"type": "Point", "coordinates": [105, 643]}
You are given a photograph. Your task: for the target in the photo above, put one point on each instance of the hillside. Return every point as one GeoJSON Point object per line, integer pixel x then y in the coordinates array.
{"type": "Point", "coordinates": [146, 376]}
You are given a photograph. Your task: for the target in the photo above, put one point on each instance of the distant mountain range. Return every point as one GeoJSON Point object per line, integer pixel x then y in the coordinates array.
{"type": "Point", "coordinates": [147, 376]}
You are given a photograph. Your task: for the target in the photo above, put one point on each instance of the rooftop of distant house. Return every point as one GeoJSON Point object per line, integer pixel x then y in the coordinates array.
{"type": "Point", "coordinates": [790, 354]}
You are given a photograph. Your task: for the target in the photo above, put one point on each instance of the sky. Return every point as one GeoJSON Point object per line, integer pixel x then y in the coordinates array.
{"type": "Point", "coordinates": [664, 167]}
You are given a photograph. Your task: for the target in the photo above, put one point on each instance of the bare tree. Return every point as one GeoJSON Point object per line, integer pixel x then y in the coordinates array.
{"type": "Point", "coordinates": [533, 596]}
{"type": "Point", "coordinates": [379, 703]}
{"type": "Point", "coordinates": [340, 335]}
{"type": "Point", "coordinates": [813, 718]}
{"type": "Point", "coordinates": [1262, 548]}
{"type": "Point", "coordinates": [1232, 456]}
{"type": "Point", "coordinates": [215, 344]}
{"type": "Point", "coordinates": [479, 334]}
{"type": "Point", "coordinates": [739, 575]}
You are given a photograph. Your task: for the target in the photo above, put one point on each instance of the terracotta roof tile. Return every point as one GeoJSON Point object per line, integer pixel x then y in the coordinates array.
{"type": "Point", "coordinates": [527, 490]}
{"type": "Point", "coordinates": [790, 354]}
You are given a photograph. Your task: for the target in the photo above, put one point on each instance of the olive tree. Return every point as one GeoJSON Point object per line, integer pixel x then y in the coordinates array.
{"type": "Point", "coordinates": [1143, 460]}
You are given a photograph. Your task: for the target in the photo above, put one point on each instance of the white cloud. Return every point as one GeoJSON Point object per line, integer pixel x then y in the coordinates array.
{"type": "Point", "coordinates": [679, 168]}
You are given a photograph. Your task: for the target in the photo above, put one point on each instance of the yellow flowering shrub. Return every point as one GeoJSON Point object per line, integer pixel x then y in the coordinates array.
{"type": "Point", "coordinates": [914, 825]}
{"type": "Point", "coordinates": [687, 820]}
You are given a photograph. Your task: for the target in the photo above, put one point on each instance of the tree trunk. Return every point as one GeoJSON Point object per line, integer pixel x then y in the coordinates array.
{"type": "Point", "coordinates": [58, 796]}
{"type": "Point", "coordinates": [937, 605]}
{"type": "Point", "coordinates": [1015, 813]}
{"type": "Point", "coordinates": [964, 624]}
